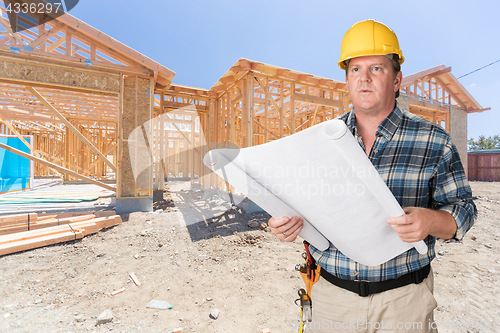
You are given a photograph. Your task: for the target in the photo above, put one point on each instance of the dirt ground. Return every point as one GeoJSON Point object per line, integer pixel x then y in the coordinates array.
{"type": "Point", "coordinates": [228, 262]}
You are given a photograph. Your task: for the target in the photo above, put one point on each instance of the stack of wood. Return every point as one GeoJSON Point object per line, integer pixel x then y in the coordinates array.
{"type": "Point", "coordinates": [28, 231]}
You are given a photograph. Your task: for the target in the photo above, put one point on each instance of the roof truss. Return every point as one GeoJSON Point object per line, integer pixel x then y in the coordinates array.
{"type": "Point", "coordinates": [438, 88]}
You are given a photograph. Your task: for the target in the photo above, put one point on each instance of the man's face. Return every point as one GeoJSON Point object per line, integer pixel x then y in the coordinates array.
{"type": "Point", "coordinates": [372, 84]}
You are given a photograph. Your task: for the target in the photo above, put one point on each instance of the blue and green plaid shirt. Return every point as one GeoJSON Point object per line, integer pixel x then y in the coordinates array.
{"type": "Point", "coordinates": [422, 168]}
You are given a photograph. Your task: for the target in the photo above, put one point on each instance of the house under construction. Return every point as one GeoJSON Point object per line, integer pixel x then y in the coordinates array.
{"type": "Point", "coordinates": [99, 110]}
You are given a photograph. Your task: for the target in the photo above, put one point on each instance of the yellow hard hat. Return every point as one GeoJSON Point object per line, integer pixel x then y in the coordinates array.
{"type": "Point", "coordinates": [369, 38]}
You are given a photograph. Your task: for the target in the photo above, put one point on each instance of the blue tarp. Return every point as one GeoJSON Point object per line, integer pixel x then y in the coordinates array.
{"type": "Point", "coordinates": [15, 171]}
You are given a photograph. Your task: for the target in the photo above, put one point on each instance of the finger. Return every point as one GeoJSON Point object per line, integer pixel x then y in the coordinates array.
{"type": "Point", "coordinates": [282, 231]}
{"type": "Point", "coordinates": [293, 227]}
{"type": "Point", "coordinates": [294, 232]}
{"type": "Point", "coordinates": [274, 224]}
{"type": "Point", "coordinates": [407, 234]}
{"type": "Point", "coordinates": [400, 220]}
{"type": "Point", "coordinates": [404, 232]}
{"type": "Point", "coordinates": [403, 228]}
{"type": "Point", "coordinates": [289, 224]}
{"type": "Point", "coordinates": [277, 223]}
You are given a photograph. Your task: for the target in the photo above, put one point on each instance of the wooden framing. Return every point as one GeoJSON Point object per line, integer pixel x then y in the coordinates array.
{"type": "Point", "coordinates": [279, 102]}
{"type": "Point", "coordinates": [436, 95]}
{"type": "Point", "coordinates": [58, 168]}
{"type": "Point", "coordinates": [258, 103]}
{"type": "Point", "coordinates": [62, 81]}
{"type": "Point", "coordinates": [104, 111]}
{"type": "Point", "coordinates": [181, 127]}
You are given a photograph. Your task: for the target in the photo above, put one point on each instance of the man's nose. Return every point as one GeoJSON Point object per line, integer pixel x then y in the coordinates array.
{"type": "Point", "coordinates": [365, 76]}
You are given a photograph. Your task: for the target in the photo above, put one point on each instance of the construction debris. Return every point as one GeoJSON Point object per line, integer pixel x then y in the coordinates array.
{"type": "Point", "coordinates": [118, 291]}
{"type": "Point", "coordinates": [105, 317]}
{"type": "Point", "coordinates": [156, 304]}
{"type": "Point", "coordinates": [214, 314]}
{"type": "Point", "coordinates": [135, 279]}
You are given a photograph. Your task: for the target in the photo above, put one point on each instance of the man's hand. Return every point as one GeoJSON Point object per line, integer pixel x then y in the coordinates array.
{"type": "Point", "coordinates": [286, 229]}
{"type": "Point", "coordinates": [418, 223]}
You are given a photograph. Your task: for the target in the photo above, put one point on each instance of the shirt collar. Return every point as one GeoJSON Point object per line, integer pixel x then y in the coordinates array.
{"type": "Point", "coordinates": [387, 128]}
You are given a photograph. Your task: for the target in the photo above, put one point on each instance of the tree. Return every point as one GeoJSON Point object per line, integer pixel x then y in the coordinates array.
{"type": "Point", "coordinates": [484, 143]}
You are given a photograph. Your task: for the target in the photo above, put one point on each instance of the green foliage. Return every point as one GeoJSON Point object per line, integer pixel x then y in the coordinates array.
{"type": "Point", "coordinates": [484, 143]}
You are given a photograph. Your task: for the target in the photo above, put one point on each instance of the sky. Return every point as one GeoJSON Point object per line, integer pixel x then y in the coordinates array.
{"type": "Point", "coordinates": [200, 40]}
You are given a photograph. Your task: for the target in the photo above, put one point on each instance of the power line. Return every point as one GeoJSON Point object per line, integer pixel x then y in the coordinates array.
{"type": "Point", "coordinates": [479, 69]}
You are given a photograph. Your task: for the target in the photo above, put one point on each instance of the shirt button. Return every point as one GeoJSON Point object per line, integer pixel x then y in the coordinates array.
{"type": "Point", "coordinates": [355, 273]}
{"type": "Point", "coordinates": [376, 151]}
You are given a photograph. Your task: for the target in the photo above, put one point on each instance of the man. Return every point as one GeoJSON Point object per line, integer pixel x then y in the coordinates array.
{"type": "Point", "coordinates": [421, 166]}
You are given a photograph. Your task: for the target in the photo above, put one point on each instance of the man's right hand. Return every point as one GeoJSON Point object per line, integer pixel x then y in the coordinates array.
{"type": "Point", "coordinates": [286, 229]}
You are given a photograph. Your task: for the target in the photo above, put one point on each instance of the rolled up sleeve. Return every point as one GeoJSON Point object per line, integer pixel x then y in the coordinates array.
{"type": "Point", "coordinates": [452, 192]}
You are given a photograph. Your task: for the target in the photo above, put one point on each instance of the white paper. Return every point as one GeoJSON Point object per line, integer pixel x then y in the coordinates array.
{"type": "Point", "coordinates": [322, 175]}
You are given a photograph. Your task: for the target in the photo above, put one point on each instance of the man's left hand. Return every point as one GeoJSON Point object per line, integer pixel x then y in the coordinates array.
{"type": "Point", "coordinates": [418, 223]}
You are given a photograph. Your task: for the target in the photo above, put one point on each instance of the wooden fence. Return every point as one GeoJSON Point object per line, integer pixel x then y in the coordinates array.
{"type": "Point", "coordinates": [484, 165]}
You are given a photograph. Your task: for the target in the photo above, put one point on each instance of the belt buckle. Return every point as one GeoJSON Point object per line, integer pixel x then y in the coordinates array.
{"type": "Point", "coordinates": [363, 289]}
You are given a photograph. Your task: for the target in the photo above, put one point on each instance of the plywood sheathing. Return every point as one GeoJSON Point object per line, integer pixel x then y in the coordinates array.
{"type": "Point", "coordinates": [144, 111]}
{"type": "Point", "coordinates": [458, 131]}
{"type": "Point", "coordinates": [17, 72]}
{"type": "Point", "coordinates": [135, 132]}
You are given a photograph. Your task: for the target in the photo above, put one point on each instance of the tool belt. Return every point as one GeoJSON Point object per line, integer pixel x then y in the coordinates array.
{"type": "Point", "coordinates": [365, 288]}
{"type": "Point", "coordinates": [310, 271]}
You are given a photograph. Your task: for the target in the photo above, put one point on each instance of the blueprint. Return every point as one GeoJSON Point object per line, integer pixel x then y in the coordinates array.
{"type": "Point", "coordinates": [322, 175]}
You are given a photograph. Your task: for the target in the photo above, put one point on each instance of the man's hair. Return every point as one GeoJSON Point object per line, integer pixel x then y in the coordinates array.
{"type": "Point", "coordinates": [396, 67]}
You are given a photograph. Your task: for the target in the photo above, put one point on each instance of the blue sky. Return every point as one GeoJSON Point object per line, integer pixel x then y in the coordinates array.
{"type": "Point", "coordinates": [200, 40]}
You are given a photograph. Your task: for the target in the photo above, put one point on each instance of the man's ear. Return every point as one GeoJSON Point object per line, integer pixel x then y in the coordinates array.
{"type": "Point", "coordinates": [398, 80]}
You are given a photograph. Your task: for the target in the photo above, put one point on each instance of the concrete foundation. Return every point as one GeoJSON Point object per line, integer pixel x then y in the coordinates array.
{"type": "Point", "coordinates": [124, 206]}
{"type": "Point", "coordinates": [157, 196]}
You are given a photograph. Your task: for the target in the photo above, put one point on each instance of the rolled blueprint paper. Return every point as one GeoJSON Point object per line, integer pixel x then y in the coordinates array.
{"type": "Point", "coordinates": [349, 148]}
{"type": "Point", "coordinates": [248, 186]}
{"type": "Point", "coordinates": [322, 175]}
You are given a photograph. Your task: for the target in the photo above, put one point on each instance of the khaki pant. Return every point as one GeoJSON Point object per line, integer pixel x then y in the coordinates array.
{"type": "Point", "coordinates": [405, 309]}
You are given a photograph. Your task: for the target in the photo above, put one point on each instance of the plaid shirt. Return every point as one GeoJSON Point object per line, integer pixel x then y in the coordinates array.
{"type": "Point", "coordinates": [422, 168]}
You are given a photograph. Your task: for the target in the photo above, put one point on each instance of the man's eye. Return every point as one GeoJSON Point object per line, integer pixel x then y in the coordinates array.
{"type": "Point", "coordinates": [376, 69]}
{"type": "Point", "coordinates": [354, 69]}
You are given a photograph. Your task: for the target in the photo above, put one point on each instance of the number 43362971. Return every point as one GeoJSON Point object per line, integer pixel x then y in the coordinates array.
{"type": "Point", "coordinates": [33, 8]}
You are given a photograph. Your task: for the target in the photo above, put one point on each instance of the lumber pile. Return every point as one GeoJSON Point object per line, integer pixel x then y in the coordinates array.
{"type": "Point", "coordinates": [28, 231]}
